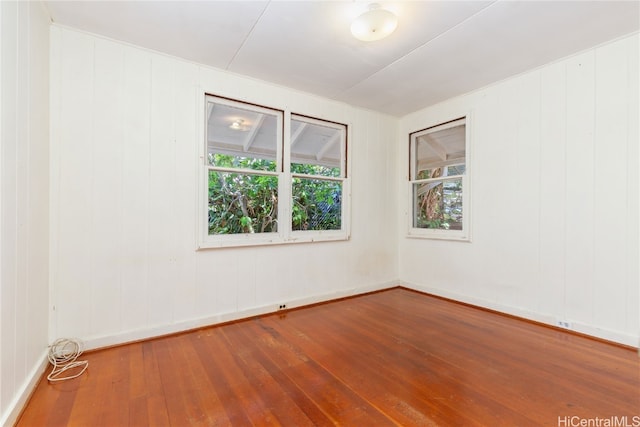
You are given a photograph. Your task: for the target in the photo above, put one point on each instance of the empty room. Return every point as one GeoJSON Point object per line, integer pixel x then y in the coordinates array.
{"type": "Point", "coordinates": [403, 213]}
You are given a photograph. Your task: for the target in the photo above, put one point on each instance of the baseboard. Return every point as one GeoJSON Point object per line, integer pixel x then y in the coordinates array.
{"type": "Point", "coordinates": [547, 319]}
{"type": "Point", "coordinates": [14, 409]}
{"type": "Point", "coordinates": [93, 343]}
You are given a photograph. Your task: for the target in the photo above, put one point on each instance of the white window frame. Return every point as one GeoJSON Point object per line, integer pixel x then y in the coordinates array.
{"type": "Point", "coordinates": [285, 234]}
{"type": "Point", "coordinates": [425, 233]}
{"type": "Point", "coordinates": [319, 235]}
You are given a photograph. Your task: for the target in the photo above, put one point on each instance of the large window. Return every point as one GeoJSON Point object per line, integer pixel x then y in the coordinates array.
{"type": "Point", "coordinates": [265, 185]}
{"type": "Point", "coordinates": [439, 181]}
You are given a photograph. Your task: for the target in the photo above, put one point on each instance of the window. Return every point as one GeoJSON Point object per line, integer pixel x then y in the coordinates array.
{"type": "Point", "coordinates": [244, 163]}
{"type": "Point", "coordinates": [317, 172]}
{"type": "Point", "coordinates": [439, 181]}
{"type": "Point", "coordinates": [263, 186]}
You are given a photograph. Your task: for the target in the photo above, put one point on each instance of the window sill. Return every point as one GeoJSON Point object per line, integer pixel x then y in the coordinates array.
{"type": "Point", "coordinates": [246, 240]}
{"type": "Point", "coordinates": [457, 236]}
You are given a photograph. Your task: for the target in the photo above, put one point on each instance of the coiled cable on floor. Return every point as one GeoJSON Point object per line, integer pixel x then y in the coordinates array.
{"type": "Point", "coordinates": [63, 355]}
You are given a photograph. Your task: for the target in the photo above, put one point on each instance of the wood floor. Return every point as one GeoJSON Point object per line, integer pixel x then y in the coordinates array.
{"type": "Point", "coordinates": [395, 357]}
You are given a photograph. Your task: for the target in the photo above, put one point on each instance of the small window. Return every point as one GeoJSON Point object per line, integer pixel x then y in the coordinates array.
{"type": "Point", "coordinates": [439, 181]}
{"type": "Point", "coordinates": [317, 174]}
{"type": "Point", "coordinates": [243, 167]}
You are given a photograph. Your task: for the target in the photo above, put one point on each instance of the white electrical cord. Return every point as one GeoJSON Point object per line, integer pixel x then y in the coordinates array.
{"type": "Point", "coordinates": [63, 355]}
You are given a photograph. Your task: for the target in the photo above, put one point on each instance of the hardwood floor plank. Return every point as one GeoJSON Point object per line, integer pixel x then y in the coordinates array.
{"type": "Point", "coordinates": [283, 407]}
{"type": "Point", "coordinates": [151, 386]}
{"type": "Point", "coordinates": [138, 412]}
{"type": "Point", "coordinates": [401, 376]}
{"type": "Point", "coordinates": [295, 394]}
{"type": "Point", "coordinates": [137, 392]}
{"type": "Point", "coordinates": [510, 364]}
{"type": "Point", "coordinates": [217, 369]}
{"type": "Point", "coordinates": [182, 388]}
{"type": "Point", "coordinates": [396, 357]}
{"type": "Point", "coordinates": [336, 400]}
{"type": "Point", "coordinates": [103, 399]}
{"type": "Point", "coordinates": [55, 405]}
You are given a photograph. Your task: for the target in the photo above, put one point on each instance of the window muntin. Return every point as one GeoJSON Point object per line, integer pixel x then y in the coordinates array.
{"type": "Point", "coordinates": [259, 191]}
{"type": "Point", "coordinates": [438, 181]}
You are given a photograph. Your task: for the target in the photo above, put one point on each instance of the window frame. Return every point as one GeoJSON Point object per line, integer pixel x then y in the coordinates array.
{"type": "Point", "coordinates": [343, 179]}
{"type": "Point", "coordinates": [426, 233]}
{"type": "Point", "coordinates": [284, 234]}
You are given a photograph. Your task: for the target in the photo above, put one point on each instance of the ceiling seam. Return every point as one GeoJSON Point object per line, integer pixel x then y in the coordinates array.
{"type": "Point", "coordinates": [244, 41]}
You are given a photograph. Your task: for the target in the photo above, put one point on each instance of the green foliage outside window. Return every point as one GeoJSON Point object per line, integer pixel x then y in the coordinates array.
{"type": "Point", "coordinates": [246, 202]}
{"type": "Point", "coordinates": [242, 203]}
{"type": "Point", "coordinates": [317, 204]}
{"type": "Point", "coordinates": [440, 207]}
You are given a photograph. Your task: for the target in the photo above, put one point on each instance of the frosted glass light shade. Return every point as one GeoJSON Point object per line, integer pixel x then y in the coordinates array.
{"type": "Point", "coordinates": [375, 24]}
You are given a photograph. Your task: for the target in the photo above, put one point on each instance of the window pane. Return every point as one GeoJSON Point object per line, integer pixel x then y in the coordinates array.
{"type": "Point", "coordinates": [316, 149]}
{"type": "Point", "coordinates": [441, 172]}
{"type": "Point", "coordinates": [439, 151]}
{"type": "Point", "coordinates": [242, 203]}
{"type": "Point", "coordinates": [317, 204]}
{"type": "Point", "coordinates": [301, 168]}
{"type": "Point", "coordinates": [241, 137]}
{"type": "Point", "coordinates": [438, 205]}
{"type": "Point", "coordinates": [456, 170]}
{"type": "Point", "coordinates": [430, 173]}
{"type": "Point", "coordinates": [230, 161]}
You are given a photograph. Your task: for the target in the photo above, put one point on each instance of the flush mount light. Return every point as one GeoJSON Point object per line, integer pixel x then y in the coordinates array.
{"type": "Point", "coordinates": [375, 24]}
{"type": "Point", "coordinates": [237, 125]}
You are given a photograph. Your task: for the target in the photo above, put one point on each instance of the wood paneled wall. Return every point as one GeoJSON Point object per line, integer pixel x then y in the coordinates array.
{"type": "Point", "coordinates": [554, 196]}
{"type": "Point", "coordinates": [124, 180]}
{"type": "Point", "coordinates": [99, 214]}
{"type": "Point", "coordinates": [24, 200]}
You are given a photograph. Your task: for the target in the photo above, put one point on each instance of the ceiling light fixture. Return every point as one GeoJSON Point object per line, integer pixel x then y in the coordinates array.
{"type": "Point", "coordinates": [237, 125]}
{"type": "Point", "coordinates": [375, 24]}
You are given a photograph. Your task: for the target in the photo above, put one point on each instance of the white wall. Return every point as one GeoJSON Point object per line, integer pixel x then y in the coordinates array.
{"type": "Point", "coordinates": [555, 199]}
{"type": "Point", "coordinates": [24, 200]}
{"type": "Point", "coordinates": [124, 176]}
{"type": "Point", "coordinates": [554, 189]}
{"type": "Point", "coordinates": [554, 196]}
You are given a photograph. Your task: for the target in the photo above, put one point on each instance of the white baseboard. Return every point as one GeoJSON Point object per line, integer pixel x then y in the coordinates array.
{"type": "Point", "coordinates": [548, 319]}
{"type": "Point", "coordinates": [92, 343]}
{"type": "Point", "coordinates": [14, 409]}
{"type": "Point", "coordinates": [160, 330]}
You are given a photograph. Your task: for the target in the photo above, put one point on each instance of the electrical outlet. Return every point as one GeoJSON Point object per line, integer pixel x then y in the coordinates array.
{"type": "Point", "coordinates": [282, 307]}
{"type": "Point", "coordinates": [565, 324]}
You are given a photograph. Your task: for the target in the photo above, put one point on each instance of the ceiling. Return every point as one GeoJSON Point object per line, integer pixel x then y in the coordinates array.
{"type": "Point", "coordinates": [441, 48]}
